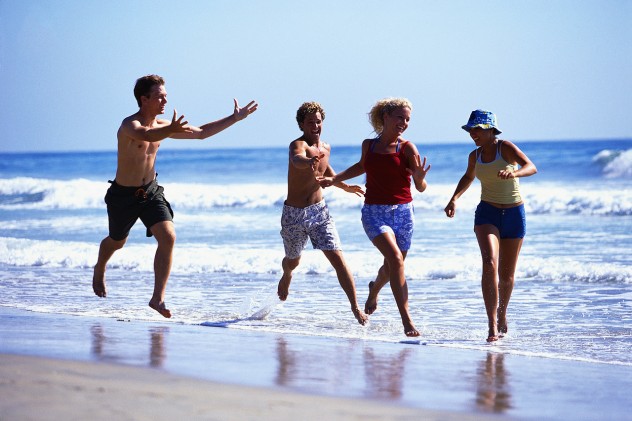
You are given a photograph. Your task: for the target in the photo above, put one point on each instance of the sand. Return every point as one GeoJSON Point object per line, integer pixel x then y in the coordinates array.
{"type": "Point", "coordinates": [36, 388]}
{"type": "Point", "coordinates": [62, 367]}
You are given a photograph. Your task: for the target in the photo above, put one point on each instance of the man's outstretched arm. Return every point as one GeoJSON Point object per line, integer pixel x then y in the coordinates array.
{"type": "Point", "coordinates": [134, 129]}
{"type": "Point", "coordinates": [210, 129]}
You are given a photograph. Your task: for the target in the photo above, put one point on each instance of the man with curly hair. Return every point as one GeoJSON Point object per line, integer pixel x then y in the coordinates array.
{"type": "Point", "coordinates": [305, 213]}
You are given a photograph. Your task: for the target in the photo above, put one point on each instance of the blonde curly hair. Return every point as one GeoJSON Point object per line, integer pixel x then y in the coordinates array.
{"type": "Point", "coordinates": [387, 105]}
{"type": "Point", "coordinates": [309, 108]}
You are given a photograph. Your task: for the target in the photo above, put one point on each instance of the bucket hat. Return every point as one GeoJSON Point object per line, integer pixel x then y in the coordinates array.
{"type": "Point", "coordinates": [483, 119]}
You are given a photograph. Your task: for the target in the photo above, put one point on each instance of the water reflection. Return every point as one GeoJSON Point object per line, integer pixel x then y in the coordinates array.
{"type": "Point", "coordinates": [99, 345]}
{"type": "Point", "coordinates": [334, 369]}
{"type": "Point", "coordinates": [492, 389]}
{"type": "Point", "coordinates": [385, 373]}
{"type": "Point", "coordinates": [408, 374]}
{"type": "Point", "coordinates": [286, 362]}
{"type": "Point", "coordinates": [157, 352]}
{"type": "Point", "coordinates": [109, 349]}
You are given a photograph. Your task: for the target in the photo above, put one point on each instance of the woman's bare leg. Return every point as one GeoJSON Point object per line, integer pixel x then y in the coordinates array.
{"type": "Point", "coordinates": [508, 260]}
{"type": "Point", "coordinates": [488, 242]}
{"type": "Point", "coordinates": [387, 245]}
{"type": "Point", "coordinates": [382, 278]}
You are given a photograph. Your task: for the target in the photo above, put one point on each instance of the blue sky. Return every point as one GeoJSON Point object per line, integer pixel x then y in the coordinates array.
{"type": "Point", "coordinates": [549, 69]}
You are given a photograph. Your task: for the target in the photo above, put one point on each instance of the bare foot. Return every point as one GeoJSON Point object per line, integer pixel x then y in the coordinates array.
{"type": "Point", "coordinates": [492, 335]}
{"type": "Point", "coordinates": [160, 308]}
{"type": "Point", "coordinates": [284, 287]}
{"type": "Point", "coordinates": [410, 330]}
{"type": "Point", "coordinates": [371, 302]}
{"type": "Point", "coordinates": [502, 327]}
{"type": "Point", "coordinates": [360, 316]}
{"type": "Point", "coordinates": [98, 283]}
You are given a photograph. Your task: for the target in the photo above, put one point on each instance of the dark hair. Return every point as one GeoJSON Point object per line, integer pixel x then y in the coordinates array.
{"type": "Point", "coordinates": [144, 84]}
{"type": "Point", "coordinates": [308, 108]}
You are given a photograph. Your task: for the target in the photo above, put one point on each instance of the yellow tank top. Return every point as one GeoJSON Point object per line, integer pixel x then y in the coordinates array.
{"type": "Point", "coordinates": [494, 189]}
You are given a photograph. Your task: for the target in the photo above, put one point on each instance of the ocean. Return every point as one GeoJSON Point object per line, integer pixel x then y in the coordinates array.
{"type": "Point", "coordinates": [572, 299]}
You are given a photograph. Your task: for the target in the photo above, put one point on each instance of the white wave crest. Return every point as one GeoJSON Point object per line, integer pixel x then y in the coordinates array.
{"type": "Point", "coordinates": [198, 259]}
{"type": "Point", "coordinates": [540, 198]}
{"type": "Point", "coordinates": [616, 164]}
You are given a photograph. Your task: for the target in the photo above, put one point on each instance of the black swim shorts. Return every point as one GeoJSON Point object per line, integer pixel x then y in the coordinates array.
{"type": "Point", "coordinates": [127, 204]}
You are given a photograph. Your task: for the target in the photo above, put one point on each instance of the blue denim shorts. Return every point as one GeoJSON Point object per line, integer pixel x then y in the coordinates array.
{"type": "Point", "coordinates": [396, 219]}
{"type": "Point", "coordinates": [511, 222]}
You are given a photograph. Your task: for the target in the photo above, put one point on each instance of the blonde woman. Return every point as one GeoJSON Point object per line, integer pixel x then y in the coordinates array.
{"type": "Point", "coordinates": [389, 162]}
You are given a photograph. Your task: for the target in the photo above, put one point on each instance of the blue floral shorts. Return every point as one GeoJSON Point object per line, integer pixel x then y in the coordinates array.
{"type": "Point", "coordinates": [396, 219]}
{"type": "Point", "coordinates": [297, 224]}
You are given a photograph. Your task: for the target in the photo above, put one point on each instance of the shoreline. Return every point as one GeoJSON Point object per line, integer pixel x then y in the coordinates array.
{"type": "Point", "coordinates": [48, 389]}
{"type": "Point", "coordinates": [59, 362]}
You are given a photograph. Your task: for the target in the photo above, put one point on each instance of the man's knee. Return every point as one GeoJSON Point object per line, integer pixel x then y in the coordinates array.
{"type": "Point", "coordinates": [290, 264]}
{"type": "Point", "coordinates": [167, 240]}
{"type": "Point", "coordinates": [165, 233]}
{"type": "Point", "coordinates": [336, 258]}
{"type": "Point", "coordinates": [113, 244]}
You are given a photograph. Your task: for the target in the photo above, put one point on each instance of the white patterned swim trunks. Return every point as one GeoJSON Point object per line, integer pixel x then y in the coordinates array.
{"type": "Point", "coordinates": [297, 224]}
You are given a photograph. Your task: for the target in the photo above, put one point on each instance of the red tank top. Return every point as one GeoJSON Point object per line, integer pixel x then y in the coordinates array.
{"type": "Point", "coordinates": [387, 181]}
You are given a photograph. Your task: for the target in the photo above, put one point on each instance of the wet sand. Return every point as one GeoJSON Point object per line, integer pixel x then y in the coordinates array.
{"type": "Point", "coordinates": [35, 388]}
{"type": "Point", "coordinates": [65, 367]}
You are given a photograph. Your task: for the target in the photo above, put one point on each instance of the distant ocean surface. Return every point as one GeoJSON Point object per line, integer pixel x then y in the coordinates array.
{"type": "Point", "coordinates": [573, 293]}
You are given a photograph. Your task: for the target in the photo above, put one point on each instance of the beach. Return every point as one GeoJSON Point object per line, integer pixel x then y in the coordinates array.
{"type": "Point", "coordinates": [113, 378]}
{"type": "Point", "coordinates": [228, 336]}
{"type": "Point", "coordinates": [65, 367]}
{"type": "Point", "coordinates": [566, 355]}
{"type": "Point", "coordinates": [46, 389]}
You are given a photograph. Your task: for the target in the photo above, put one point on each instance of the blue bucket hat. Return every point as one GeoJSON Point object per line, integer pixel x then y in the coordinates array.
{"type": "Point", "coordinates": [483, 119]}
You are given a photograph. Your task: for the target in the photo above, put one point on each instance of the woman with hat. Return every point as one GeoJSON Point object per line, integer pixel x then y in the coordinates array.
{"type": "Point", "coordinates": [499, 220]}
{"type": "Point", "coordinates": [388, 219]}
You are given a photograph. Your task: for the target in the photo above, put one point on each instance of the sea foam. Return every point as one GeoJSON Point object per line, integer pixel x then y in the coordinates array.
{"type": "Point", "coordinates": [195, 259]}
{"type": "Point", "coordinates": [542, 198]}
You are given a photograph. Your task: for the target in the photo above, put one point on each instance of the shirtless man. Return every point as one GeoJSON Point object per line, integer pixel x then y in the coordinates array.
{"type": "Point", "coordinates": [135, 193]}
{"type": "Point", "coordinates": [305, 213]}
